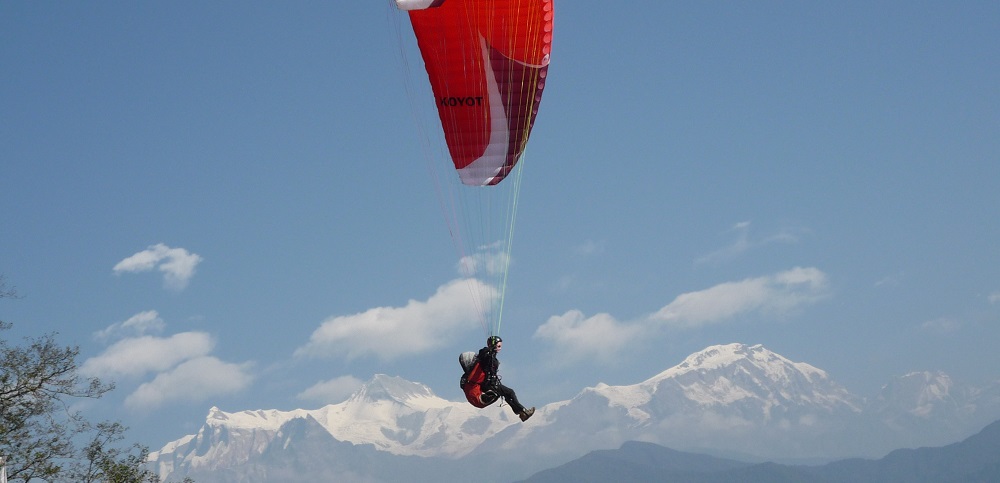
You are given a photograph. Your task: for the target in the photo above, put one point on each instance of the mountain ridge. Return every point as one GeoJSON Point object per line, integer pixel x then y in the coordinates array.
{"type": "Point", "coordinates": [732, 398]}
{"type": "Point", "coordinates": [972, 459]}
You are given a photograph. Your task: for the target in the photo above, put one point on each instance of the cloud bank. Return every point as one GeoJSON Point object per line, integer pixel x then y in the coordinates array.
{"type": "Point", "coordinates": [139, 324]}
{"type": "Point", "coordinates": [770, 295]}
{"type": "Point", "coordinates": [745, 243]}
{"type": "Point", "coordinates": [332, 391]}
{"type": "Point", "coordinates": [177, 264]}
{"type": "Point", "coordinates": [138, 356]}
{"type": "Point", "coordinates": [942, 325]}
{"type": "Point", "coordinates": [193, 380]}
{"type": "Point", "coordinates": [393, 332]}
{"type": "Point", "coordinates": [488, 260]}
{"type": "Point", "coordinates": [603, 338]}
{"type": "Point", "coordinates": [181, 365]}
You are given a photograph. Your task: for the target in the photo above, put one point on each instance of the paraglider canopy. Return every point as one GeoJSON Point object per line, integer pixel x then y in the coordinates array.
{"type": "Point", "coordinates": [486, 63]}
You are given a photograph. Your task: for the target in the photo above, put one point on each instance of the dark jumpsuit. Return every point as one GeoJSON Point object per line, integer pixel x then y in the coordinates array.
{"type": "Point", "coordinates": [490, 365]}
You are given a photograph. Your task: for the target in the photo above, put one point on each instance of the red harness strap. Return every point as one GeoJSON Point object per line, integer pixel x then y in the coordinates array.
{"type": "Point", "coordinates": [473, 389]}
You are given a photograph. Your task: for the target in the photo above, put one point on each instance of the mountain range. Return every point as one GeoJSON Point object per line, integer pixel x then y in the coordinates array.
{"type": "Point", "coordinates": [738, 402]}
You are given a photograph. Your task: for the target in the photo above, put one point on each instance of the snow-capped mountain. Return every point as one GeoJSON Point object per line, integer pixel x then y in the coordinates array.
{"type": "Point", "coordinates": [727, 397]}
{"type": "Point", "coordinates": [392, 414]}
{"type": "Point", "coordinates": [733, 399]}
{"type": "Point", "coordinates": [919, 403]}
{"type": "Point", "coordinates": [922, 395]}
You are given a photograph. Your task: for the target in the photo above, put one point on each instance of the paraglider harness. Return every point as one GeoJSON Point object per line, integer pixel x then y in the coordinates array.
{"type": "Point", "coordinates": [478, 384]}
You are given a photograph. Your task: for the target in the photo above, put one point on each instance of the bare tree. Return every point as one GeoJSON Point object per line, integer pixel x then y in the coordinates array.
{"type": "Point", "coordinates": [104, 461]}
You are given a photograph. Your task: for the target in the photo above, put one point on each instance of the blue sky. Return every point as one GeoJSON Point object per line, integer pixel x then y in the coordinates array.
{"type": "Point", "coordinates": [199, 195]}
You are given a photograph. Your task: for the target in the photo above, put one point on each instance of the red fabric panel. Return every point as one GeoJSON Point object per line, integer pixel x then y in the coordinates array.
{"type": "Point", "coordinates": [479, 53]}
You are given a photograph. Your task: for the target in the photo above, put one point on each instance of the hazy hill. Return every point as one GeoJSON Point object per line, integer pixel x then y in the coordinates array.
{"type": "Point", "coordinates": [974, 459]}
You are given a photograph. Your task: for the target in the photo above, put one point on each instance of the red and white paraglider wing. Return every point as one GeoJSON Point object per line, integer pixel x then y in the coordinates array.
{"type": "Point", "coordinates": [487, 61]}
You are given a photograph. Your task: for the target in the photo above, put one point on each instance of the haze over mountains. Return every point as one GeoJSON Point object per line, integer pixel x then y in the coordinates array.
{"type": "Point", "coordinates": [974, 459]}
{"type": "Point", "coordinates": [734, 400]}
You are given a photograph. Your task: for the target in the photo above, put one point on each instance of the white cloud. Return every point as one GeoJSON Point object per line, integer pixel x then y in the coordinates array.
{"type": "Point", "coordinates": [487, 260]}
{"type": "Point", "coordinates": [941, 325]}
{"type": "Point", "coordinates": [137, 356]}
{"type": "Point", "coordinates": [890, 280]}
{"type": "Point", "coordinates": [393, 332]}
{"type": "Point", "coordinates": [138, 324]}
{"type": "Point", "coordinates": [580, 337]}
{"type": "Point", "coordinates": [602, 337]}
{"type": "Point", "coordinates": [332, 391]}
{"type": "Point", "coordinates": [994, 297]}
{"type": "Point", "coordinates": [589, 247]}
{"type": "Point", "coordinates": [744, 243]}
{"type": "Point", "coordinates": [177, 264]}
{"type": "Point", "coordinates": [774, 294]}
{"type": "Point", "coordinates": [194, 380]}
{"type": "Point", "coordinates": [180, 366]}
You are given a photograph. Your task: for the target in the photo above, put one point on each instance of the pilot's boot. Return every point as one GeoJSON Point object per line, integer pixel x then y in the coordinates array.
{"type": "Point", "coordinates": [526, 414]}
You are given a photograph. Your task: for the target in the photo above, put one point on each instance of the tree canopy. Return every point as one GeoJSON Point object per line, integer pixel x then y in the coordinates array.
{"type": "Point", "coordinates": [41, 436]}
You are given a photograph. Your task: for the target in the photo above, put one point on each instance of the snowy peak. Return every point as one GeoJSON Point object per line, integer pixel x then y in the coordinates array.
{"type": "Point", "coordinates": [733, 396]}
{"type": "Point", "coordinates": [263, 419]}
{"type": "Point", "coordinates": [725, 374]}
{"type": "Point", "coordinates": [716, 356]}
{"type": "Point", "coordinates": [392, 389]}
{"type": "Point", "coordinates": [750, 383]}
{"type": "Point", "coordinates": [913, 403]}
{"type": "Point", "coordinates": [922, 394]}
{"type": "Point", "coordinates": [724, 357]}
